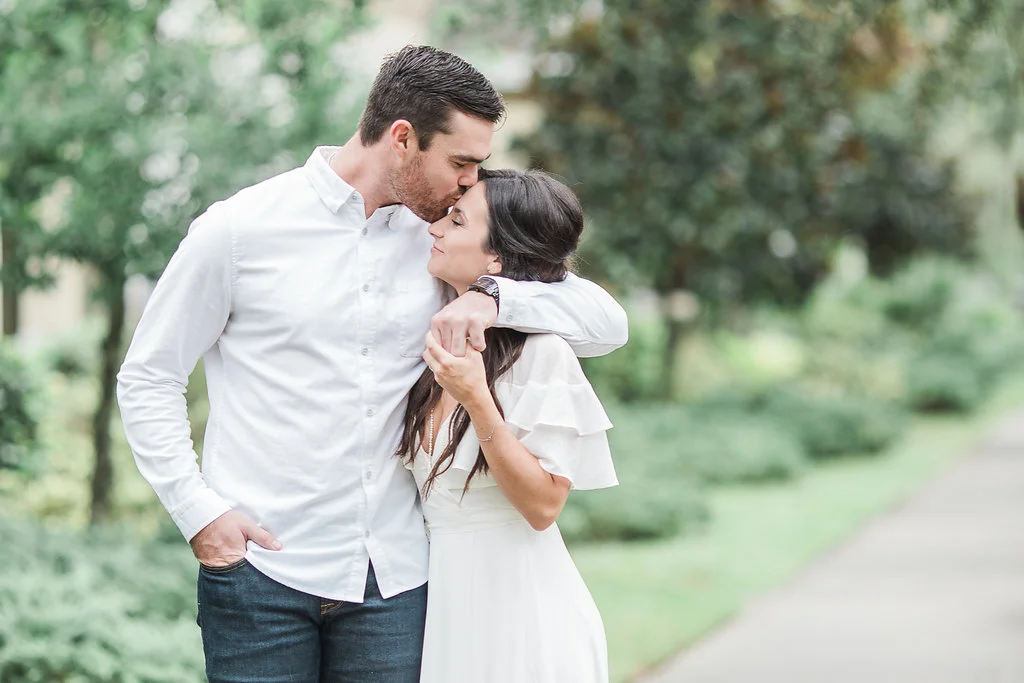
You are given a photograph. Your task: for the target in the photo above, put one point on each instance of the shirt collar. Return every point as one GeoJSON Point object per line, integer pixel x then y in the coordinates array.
{"type": "Point", "coordinates": [333, 191]}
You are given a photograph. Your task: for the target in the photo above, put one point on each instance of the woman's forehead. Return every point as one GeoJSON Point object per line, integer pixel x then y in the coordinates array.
{"type": "Point", "coordinates": [473, 204]}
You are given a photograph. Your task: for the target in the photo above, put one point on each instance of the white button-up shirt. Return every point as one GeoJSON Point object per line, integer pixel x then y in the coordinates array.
{"type": "Point", "coordinates": [310, 318]}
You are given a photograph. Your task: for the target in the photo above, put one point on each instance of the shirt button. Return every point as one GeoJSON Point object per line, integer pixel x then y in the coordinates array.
{"type": "Point", "coordinates": [369, 412]}
{"type": "Point", "coordinates": [366, 288]}
{"type": "Point", "coordinates": [365, 351]}
{"type": "Point", "coordinates": [369, 474]}
{"type": "Point", "coordinates": [364, 232]}
{"type": "Point", "coordinates": [366, 534]}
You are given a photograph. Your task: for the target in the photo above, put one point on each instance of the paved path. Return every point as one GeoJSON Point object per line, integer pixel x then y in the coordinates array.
{"type": "Point", "coordinates": [931, 593]}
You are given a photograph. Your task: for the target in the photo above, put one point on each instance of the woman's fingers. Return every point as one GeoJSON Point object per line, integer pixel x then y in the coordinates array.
{"type": "Point", "coordinates": [437, 359]}
{"type": "Point", "coordinates": [431, 361]}
{"type": "Point", "coordinates": [435, 348]}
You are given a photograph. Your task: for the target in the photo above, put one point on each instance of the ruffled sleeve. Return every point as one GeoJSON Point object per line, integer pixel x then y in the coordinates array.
{"type": "Point", "coordinates": [554, 412]}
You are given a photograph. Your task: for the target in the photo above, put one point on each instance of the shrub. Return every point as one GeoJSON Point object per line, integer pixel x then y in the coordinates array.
{"type": "Point", "coordinates": [96, 608]}
{"type": "Point", "coordinates": [943, 381]}
{"type": "Point", "coordinates": [19, 392]}
{"type": "Point", "coordinates": [920, 292]}
{"type": "Point", "coordinates": [739, 448]}
{"type": "Point", "coordinates": [642, 507]}
{"type": "Point", "coordinates": [824, 425]}
{"type": "Point", "coordinates": [632, 373]}
{"type": "Point", "coordinates": [652, 500]}
{"type": "Point", "coordinates": [710, 446]}
{"type": "Point", "coordinates": [983, 338]}
{"type": "Point", "coordinates": [836, 424]}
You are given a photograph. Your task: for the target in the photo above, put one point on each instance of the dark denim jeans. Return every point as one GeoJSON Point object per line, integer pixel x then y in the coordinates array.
{"type": "Point", "coordinates": [257, 631]}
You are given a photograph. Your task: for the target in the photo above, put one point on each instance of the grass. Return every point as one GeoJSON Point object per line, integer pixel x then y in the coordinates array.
{"type": "Point", "coordinates": [656, 598]}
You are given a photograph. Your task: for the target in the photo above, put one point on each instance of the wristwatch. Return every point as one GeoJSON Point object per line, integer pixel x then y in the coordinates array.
{"type": "Point", "coordinates": [489, 286]}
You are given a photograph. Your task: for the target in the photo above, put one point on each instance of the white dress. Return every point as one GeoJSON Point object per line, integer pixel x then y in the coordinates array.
{"type": "Point", "coordinates": [505, 603]}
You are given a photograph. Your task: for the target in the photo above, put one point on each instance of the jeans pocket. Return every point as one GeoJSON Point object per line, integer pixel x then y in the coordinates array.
{"type": "Point", "coordinates": [227, 569]}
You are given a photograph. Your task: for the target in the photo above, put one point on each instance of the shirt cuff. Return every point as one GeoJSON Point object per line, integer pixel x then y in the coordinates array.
{"type": "Point", "coordinates": [513, 300]}
{"type": "Point", "coordinates": [194, 514]}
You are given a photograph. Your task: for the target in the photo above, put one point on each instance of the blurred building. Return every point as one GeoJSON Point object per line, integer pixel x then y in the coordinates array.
{"type": "Point", "coordinates": [501, 54]}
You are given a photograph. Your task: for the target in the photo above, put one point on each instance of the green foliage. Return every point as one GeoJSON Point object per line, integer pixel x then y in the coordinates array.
{"type": "Point", "coordinates": [975, 59]}
{"type": "Point", "coordinates": [73, 354]}
{"type": "Point", "coordinates": [917, 295]}
{"type": "Point", "coordinates": [729, 148]}
{"type": "Point", "coordinates": [160, 107]}
{"type": "Point", "coordinates": [835, 424]}
{"type": "Point", "coordinates": [722, 147]}
{"type": "Point", "coordinates": [944, 382]}
{"type": "Point", "coordinates": [651, 501]}
{"type": "Point", "coordinates": [740, 448]}
{"type": "Point", "coordinates": [96, 608]}
{"type": "Point", "coordinates": [19, 393]}
{"type": "Point", "coordinates": [634, 372]}
{"type": "Point", "coordinates": [946, 330]}
{"type": "Point", "coordinates": [640, 508]}
{"type": "Point", "coordinates": [896, 200]}
{"type": "Point", "coordinates": [713, 446]}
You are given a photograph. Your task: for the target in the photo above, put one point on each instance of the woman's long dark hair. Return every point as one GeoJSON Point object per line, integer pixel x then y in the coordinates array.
{"type": "Point", "coordinates": [534, 226]}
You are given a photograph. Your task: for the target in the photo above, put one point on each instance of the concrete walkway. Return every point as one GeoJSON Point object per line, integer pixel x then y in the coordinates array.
{"type": "Point", "coordinates": [933, 592]}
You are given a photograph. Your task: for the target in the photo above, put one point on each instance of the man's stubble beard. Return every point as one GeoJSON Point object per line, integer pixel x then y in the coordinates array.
{"type": "Point", "coordinates": [413, 190]}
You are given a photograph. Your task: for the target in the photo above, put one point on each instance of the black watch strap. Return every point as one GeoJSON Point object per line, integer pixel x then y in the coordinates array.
{"type": "Point", "coordinates": [488, 286]}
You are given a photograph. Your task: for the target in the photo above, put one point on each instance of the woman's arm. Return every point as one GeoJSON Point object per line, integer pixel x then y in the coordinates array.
{"type": "Point", "coordinates": [538, 495]}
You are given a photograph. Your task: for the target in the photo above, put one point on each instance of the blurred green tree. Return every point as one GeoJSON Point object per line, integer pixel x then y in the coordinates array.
{"type": "Point", "coordinates": [976, 51]}
{"type": "Point", "coordinates": [19, 425]}
{"type": "Point", "coordinates": [124, 100]}
{"type": "Point", "coordinates": [721, 148]}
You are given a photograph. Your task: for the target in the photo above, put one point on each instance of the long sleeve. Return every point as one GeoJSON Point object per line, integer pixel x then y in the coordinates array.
{"type": "Point", "coordinates": [578, 310]}
{"type": "Point", "coordinates": [184, 317]}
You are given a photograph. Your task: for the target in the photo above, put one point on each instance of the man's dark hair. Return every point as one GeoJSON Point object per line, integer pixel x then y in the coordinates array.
{"type": "Point", "coordinates": [423, 85]}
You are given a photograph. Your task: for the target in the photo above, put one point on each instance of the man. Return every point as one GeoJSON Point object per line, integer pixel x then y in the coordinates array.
{"type": "Point", "coordinates": [309, 298]}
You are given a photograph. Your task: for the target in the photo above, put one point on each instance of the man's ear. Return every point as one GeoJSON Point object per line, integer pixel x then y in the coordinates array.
{"type": "Point", "coordinates": [403, 138]}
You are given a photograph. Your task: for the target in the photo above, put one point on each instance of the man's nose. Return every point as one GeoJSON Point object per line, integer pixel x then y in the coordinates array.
{"type": "Point", "coordinates": [468, 179]}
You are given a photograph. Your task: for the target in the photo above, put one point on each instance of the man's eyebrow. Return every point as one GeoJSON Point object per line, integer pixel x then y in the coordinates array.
{"type": "Point", "coordinates": [467, 159]}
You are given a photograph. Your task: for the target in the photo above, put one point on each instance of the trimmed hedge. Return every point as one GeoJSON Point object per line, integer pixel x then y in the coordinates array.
{"type": "Point", "coordinates": [642, 507]}
{"type": "Point", "coordinates": [824, 425]}
{"type": "Point", "coordinates": [940, 381]}
{"type": "Point", "coordinates": [680, 442]}
{"type": "Point", "coordinates": [96, 608]}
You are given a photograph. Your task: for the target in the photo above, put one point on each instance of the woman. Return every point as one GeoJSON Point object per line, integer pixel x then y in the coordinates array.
{"type": "Point", "coordinates": [496, 441]}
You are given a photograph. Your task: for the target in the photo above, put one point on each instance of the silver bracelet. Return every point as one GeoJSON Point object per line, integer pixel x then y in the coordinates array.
{"type": "Point", "coordinates": [489, 436]}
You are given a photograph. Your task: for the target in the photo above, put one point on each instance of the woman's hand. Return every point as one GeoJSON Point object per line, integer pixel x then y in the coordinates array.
{"type": "Point", "coordinates": [464, 378]}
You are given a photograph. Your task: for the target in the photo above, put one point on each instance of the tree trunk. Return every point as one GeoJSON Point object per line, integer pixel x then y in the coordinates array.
{"type": "Point", "coordinates": [675, 330]}
{"type": "Point", "coordinates": [10, 297]}
{"type": "Point", "coordinates": [1019, 203]}
{"type": "Point", "coordinates": [103, 474]}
